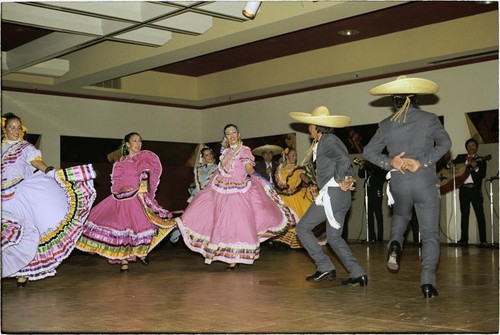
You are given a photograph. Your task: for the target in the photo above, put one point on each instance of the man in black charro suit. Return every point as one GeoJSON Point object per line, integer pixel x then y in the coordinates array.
{"type": "Point", "coordinates": [470, 192]}
{"type": "Point", "coordinates": [267, 167]}
{"type": "Point", "coordinates": [374, 182]}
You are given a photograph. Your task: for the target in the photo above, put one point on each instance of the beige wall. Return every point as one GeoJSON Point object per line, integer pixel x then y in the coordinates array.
{"type": "Point", "coordinates": [462, 89]}
{"type": "Point", "coordinates": [53, 116]}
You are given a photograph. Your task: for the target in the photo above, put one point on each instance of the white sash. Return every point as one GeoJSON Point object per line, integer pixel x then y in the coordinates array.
{"type": "Point", "coordinates": [323, 199]}
{"type": "Point", "coordinates": [390, 198]}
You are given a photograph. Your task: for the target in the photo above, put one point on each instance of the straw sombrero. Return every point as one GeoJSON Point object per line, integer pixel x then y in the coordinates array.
{"type": "Point", "coordinates": [405, 85]}
{"type": "Point", "coordinates": [268, 147]}
{"type": "Point", "coordinates": [321, 116]}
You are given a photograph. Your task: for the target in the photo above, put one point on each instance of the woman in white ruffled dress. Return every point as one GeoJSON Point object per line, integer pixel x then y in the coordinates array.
{"type": "Point", "coordinates": [43, 209]}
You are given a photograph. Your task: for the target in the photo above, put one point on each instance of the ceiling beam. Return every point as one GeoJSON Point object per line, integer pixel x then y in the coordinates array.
{"type": "Point", "coordinates": [91, 65]}
{"type": "Point", "coordinates": [42, 50]}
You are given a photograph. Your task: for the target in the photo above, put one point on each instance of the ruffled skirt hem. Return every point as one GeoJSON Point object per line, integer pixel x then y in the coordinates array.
{"type": "Point", "coordinates": [210, 231]}
{"type": "Point", "coordinates": [57, 244]}
{"type": "Point", "coordinates": [120, 244]}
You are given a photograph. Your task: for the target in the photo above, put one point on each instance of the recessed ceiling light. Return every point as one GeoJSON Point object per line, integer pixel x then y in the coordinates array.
{"type": "Point", "coordinates": [348, 32]}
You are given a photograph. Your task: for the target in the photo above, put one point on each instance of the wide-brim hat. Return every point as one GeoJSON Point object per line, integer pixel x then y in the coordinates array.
{"type": "Point", "coordinates": [321, 116]}
{"type": "Point", "coordinates": [406, 85]}
{"type": "Point", "coordinates": [275, 149]}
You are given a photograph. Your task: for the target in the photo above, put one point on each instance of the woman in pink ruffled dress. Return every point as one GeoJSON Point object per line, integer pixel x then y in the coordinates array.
{"type": "Point", "coordinates": [237, 210]}
{"type": "Point", "coordinates": [122, 227]}
{"type": "Point", "coordinates": [43, 209]}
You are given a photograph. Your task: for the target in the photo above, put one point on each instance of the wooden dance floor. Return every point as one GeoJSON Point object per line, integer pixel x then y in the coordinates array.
{"type": "Point", "coordinates": [178, 293]}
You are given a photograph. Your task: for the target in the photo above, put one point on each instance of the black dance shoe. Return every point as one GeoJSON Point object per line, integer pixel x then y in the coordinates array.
{"type": "Point", "coordinates": [232, 267]}
{"type": "Point", "coordinates": [394, 256]}
{"type": "Point", "coordinates": [429, 291]}
{"type": "Point", "coordinates": [22, 281]}
{"type": "Point", "coordinates": [361, 281]}
{"type": "Point", "coordinates": [144, 260]}
{"type": "Point", "coordinates": [320, 276]}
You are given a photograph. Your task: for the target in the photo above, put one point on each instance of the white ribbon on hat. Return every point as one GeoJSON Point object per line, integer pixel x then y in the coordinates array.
{"type": "Point", "coordinates": [323, 199]}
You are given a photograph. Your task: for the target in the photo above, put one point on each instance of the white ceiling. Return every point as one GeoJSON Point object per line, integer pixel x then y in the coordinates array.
{"type": "Point", "coordinates": [96, 41]}
{"type": "Point", "coordinates": [81, 24]}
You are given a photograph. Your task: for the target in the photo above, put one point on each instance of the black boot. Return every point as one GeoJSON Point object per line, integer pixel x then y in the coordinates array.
{"type": "Point", "coordinates": [320, 276]}
{"type": "Point", "coordinates": [429, 291]}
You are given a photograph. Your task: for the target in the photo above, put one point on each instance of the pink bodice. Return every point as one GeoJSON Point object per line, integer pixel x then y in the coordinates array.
{"type": "Point", "coordinates": [232, 176]}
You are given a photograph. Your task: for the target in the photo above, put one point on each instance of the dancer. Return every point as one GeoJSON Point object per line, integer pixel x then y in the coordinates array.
{"type": "Point", "coordinates": [296, 190]}
{"type": "Point", "coordinates": [122, 227]}
{"type": "Point", "coordinates": [43, 209]}
{"type": "Point", "coordinates": [415, 141]}
{"type": "Point", "coordinates": [227, 220]}
{"type": "Point", "coordinates": [334, 178]}
{"type": "Point", "coordinates": [203, 171]}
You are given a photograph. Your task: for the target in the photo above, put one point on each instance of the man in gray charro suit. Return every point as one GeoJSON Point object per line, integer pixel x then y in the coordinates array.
{"type": "Point", "coordinates": [334, 178]}
{"type": "Point", "coordinates": [415, 141]}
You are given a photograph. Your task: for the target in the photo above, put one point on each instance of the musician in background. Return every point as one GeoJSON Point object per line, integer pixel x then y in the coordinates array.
{"type": "Point", "coordinates": [470, 192]}
{"type": "Point", "coordinates": [374, 184]}
{"type": "Point", "coordinates": [267, 167]}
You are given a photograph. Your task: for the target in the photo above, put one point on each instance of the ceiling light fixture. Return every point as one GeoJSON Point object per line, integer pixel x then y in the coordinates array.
{"type": "Point", "coordinates": [348, 32]}
{"type": "Point", "coordinates": [250, 9]}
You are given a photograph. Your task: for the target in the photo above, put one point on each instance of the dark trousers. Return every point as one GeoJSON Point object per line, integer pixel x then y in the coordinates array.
{"type": "Point", "coordinates": [474, 196]}
{"type": "Point", "coordinates": [375, 210]}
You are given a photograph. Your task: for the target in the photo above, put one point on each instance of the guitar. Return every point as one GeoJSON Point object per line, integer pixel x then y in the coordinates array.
{"type": "Point", "coordinates": [461, 175]}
